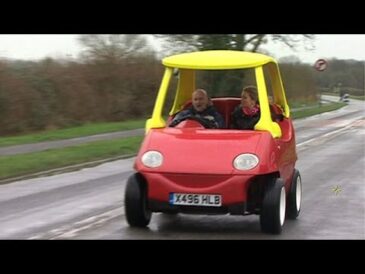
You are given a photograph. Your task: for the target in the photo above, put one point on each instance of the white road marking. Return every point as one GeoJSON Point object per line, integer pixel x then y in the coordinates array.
{"type": "Point", "coordinates": [326, 136]}
{"type": "Point", "coordinates": [69, 231]}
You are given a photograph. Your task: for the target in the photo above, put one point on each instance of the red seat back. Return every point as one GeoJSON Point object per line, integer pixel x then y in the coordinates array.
{"type": "Point", "coordinates": [225, 106]}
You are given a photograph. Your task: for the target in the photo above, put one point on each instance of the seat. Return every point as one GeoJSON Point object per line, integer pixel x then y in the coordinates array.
{"type": "Point", "coordinates": [225, 106]}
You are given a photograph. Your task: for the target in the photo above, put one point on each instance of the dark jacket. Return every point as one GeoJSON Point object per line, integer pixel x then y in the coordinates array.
{"type": "Point", "coordinates": [241, 121]}
{"type": "Point", "coordinates": [210, 115]}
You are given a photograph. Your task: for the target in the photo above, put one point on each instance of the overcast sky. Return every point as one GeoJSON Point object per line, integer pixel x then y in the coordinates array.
{"type": "Point", "coordinates": [31, 47]}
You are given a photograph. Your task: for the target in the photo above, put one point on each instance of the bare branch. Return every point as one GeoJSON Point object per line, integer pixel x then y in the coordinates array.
{"type": "Point", "coordinates": [113, 47]}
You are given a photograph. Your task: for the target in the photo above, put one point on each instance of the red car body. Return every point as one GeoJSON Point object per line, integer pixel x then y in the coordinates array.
{"type": "Point", "coordinates": [199, 160]}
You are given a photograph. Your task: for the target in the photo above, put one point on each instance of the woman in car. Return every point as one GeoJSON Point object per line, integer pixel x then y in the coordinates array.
{"type": "Point", "coordinates": [247, 114]}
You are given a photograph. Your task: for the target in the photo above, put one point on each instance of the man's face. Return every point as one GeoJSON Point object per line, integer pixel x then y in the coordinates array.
{"type": "Point", "coordinates": [200, 101]}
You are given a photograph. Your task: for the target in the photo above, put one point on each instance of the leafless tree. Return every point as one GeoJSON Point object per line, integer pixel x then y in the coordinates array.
{"type": "Point", "coordinates": [114, 47]}
{"type": "Point", "coordinates": [176, 43]}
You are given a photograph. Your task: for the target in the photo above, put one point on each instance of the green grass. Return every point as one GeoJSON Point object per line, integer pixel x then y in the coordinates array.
{"type": "Point", "coordinates": [300, 104]}
{"type": "Point", "coordinates": [21, 164]}
{"type": "Point", "coordinates": [60, 134]}
{"type": "Point", "coordinates": [316, 110]}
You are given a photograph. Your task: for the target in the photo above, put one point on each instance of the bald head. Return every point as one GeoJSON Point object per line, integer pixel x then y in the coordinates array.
{"type": "Point", "coordinates": [201, 91]}
{"type": "Point", "coordinates": [200, 100]}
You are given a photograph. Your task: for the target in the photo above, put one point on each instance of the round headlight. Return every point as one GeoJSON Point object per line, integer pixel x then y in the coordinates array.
{"type": "Point", "coordinates": [245, 161]}
{"type": "Point", "coordinates": [152, 159]}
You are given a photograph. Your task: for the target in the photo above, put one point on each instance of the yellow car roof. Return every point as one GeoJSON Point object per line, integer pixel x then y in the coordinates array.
{"type": "Point", "coordinates": [217, 59]}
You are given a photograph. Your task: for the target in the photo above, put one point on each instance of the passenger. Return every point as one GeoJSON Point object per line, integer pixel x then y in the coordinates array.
{"type": "Point", "coordinates": [201, 109]}
{"type": "Point", "coordinates": [247, 114]}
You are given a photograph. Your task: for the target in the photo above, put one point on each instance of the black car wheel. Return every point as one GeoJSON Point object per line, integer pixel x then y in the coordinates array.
{"type": "Point", "coordinates": [295, 196]}
{"type": "Point", "coordinates": [272, 214]}
{"type": "Point", "coordinates": [135, 201]}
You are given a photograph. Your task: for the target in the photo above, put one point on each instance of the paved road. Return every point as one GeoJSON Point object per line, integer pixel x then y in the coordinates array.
{"type": "Point", "coordinates": [88, 204]}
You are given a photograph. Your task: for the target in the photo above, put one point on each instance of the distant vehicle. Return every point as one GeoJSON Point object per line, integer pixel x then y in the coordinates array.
{"type": "Point", "coordinates": [345, 98]}
{"type": "Point", "coordinates": [197, 170]}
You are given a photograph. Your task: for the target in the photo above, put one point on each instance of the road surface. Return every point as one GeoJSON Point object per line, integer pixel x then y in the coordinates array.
{"type": "Point", "coordinates": [88, 204]}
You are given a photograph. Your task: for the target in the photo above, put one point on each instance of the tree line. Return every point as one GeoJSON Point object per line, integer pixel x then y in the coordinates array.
{"type": "Point", "coordinates": [49, 94]}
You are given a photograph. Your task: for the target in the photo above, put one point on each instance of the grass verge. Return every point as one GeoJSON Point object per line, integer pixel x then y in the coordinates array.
{"type": "Point", "coordinates": [316, 110]}
{"type": "Point", "coordinates": [17, 165]}
{"type": "Point", "coordinates": [67, 133]}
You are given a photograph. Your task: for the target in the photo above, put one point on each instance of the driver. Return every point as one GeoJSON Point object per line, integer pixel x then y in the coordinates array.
{"type": "Point", "coordinates": [202, 109]}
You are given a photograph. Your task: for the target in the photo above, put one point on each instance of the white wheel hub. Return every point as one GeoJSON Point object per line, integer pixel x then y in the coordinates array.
{"type": "Point", "coordinates": [282, 205]}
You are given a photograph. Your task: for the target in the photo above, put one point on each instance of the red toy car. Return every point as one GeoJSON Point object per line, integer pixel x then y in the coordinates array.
{"type": "Point", "coordinates": [192, 169]}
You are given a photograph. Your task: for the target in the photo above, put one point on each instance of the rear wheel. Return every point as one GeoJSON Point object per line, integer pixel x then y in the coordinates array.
{"type": "Point", "coordinates": [272, 215]}
{"type": "Point", "coordinates": [295, 196]}
{"type": "Point", "coordinates": [135, 201]}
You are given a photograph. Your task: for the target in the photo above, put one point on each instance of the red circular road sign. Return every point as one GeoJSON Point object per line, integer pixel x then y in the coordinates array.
{"type": "Point", "coordinates": [320, 64]}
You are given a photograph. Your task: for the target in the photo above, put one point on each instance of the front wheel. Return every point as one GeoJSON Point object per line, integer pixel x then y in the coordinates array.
{"type": "Point", "coordinates": [272, 214]}
{"type": "Point", "coordinates": [295, 196]}
{"type": "Point", "coordinates": [135, 202]}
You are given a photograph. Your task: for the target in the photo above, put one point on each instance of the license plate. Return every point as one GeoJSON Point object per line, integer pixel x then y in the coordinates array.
{"type": "Point", "coordinates": [190, 199]}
